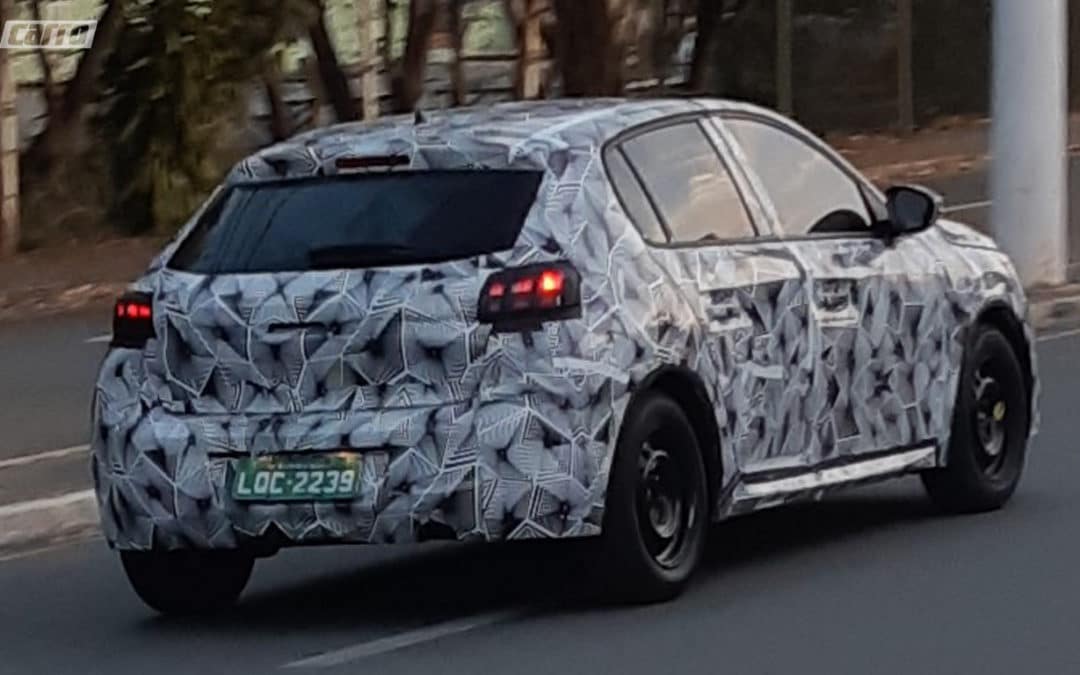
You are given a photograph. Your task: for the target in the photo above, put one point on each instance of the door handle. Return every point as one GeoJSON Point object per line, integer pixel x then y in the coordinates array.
{"type": "Point", "coordinates": [832, 295]}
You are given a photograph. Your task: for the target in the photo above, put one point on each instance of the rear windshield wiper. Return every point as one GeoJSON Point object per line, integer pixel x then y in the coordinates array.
{"type": "Point", "coordinates": [339, 257]}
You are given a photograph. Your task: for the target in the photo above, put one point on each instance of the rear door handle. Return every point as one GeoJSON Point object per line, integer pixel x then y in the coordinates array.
{"type": "Point", "coordinates": [834, 294]}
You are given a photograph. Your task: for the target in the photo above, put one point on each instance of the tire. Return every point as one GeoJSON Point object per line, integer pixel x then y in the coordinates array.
{"type": "Point", "coordinates": [657, 516]}
{"type": "Point", "coordinates": [188, 583]}
{"type": "Point", "coordinates": [991, 421]}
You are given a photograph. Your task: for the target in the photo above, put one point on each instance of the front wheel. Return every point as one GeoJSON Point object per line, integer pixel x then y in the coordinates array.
{"type": "Point", "coordinates": [657, 512]}
{"type": "Point", "coordinates": [990, 429]}
{"type": "Point", "coordinates": [188, 582]}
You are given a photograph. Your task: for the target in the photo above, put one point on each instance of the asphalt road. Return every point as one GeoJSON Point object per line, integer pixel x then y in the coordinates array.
{"type": "Point", "coordinates": [873, 581]}
{"type": "Point", "coordinates": [47, 372]}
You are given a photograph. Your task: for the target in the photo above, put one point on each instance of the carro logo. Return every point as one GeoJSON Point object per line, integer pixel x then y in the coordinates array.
{"type": "Point", "coordinates": [48, 34]}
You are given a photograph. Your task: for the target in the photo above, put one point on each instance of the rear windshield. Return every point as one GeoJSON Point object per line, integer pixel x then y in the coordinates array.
{"type": "Point", "coordinates": [359, 221]}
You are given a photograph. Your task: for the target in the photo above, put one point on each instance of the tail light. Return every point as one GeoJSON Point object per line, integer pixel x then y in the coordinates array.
{"type": "Point", "coordinates": [524, 297]}
{"type": "Point", "coordinates": [133, 321]}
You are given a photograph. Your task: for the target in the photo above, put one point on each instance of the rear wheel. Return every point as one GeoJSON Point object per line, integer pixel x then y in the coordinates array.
{"type": "Point", "coordinates": [188, 582]}
{"type": "Point", "coordinates": [657, 512]}
{"type": "Point", "coordinates": [990, 429]}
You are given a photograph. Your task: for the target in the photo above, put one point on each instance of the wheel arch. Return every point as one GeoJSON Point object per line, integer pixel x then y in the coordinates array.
{"type": "Point", "coordinates": [1001, 316]}
{"type": "Point", "coordinates": [687, 389]}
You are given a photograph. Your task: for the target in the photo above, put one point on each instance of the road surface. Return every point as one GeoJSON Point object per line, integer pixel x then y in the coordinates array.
{"type": "Point", "coordinates": [873, 581]}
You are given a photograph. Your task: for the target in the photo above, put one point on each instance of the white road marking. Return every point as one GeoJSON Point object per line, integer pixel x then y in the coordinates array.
{"type": "Point", "coordinates": [100, 339]}
{"type": "Point", "coordinates": [970, 206]}
{"type": "Point", "coordinates": [42, 457]}
{"type": "Point", "coordinates": [395, 642]}
{"type": "Point", "coordinates": [70, 499]}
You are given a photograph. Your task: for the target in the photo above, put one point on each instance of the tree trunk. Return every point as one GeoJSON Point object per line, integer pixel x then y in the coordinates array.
{"type": "Point", "coordinates": [372, 25]}
{"type": "Point", "coordinates": [457, 37]}
{"type": "Point", "coordinates": [334, 82]}
{"type": "Point", "coordinates": [716, 57]}
{"type": "Point", "coordinates": [48, 84]}
{"type": "Point", "coordinates": [590, 54]}
{"type": "Point", "coordinates": [408, 81]}
{"type": "Point", "coordinates": [705, 49]}
{"type": "Point", "coordinates": [10, 234]}
{"type": "Point", "coordinates": [64, 125]}
{"type": "Point", "coordinates": [280, 119]}
{"type": "Point", "coordinates": [515, 15]}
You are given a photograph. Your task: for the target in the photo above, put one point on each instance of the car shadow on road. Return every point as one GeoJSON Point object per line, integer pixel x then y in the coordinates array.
{"type": "Point", "coordinates": [430, 586]}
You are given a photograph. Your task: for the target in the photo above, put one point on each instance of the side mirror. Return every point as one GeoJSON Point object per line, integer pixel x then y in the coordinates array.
{"type": "Point", "coordinates": [911, 209]}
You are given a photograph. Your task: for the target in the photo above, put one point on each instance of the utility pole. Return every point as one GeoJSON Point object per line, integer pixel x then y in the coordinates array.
{"type": "Point", "coordinates": [1029, 137]}
{"type": "Point", "coordinates": [9, 148]}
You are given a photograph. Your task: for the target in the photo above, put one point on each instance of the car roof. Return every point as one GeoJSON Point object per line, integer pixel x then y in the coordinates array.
{"type": "Point", "coordinates": [506, 135]}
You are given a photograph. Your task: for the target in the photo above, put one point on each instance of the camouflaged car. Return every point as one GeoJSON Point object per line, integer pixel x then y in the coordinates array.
{"type": "Point", "coordinates": [612, 319]}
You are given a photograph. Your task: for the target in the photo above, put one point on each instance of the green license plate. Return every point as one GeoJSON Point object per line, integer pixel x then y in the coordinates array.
{"type": "Point", "coordinates": [325, 478]}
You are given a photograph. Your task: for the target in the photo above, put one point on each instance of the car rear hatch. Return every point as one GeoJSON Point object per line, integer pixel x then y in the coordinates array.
{"type": "Point", "coordinates": [352, 292]}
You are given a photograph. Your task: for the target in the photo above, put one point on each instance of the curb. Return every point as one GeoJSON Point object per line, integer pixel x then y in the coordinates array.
{"type": "Point", "coordinates": [44, 522]}
{"type": "Point", "coordinates": [1056, 310]}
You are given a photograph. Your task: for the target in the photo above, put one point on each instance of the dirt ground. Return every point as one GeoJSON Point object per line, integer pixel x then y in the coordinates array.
{"type": "Point", "coordinates": [71, 276]}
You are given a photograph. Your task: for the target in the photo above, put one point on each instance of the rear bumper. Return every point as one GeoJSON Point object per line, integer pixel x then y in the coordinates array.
{"type": "Point", "coordinates": [477, 471]}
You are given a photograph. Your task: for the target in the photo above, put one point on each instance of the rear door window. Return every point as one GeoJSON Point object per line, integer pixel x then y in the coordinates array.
{"type": "Point", "coordinates": [633, 198]}
{"type": "Point", "coordinates": [692, 189]}
{"type": "Point", "coordinates": [360, 221]}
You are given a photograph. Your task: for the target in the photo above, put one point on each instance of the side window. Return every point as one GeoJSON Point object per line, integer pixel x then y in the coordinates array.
{"type": "Point", "coordinates": [812, 195]}
{"type": "Point", "coordinates": [633, 198]}
{"type": "Point", "coordinates": [691, 187]}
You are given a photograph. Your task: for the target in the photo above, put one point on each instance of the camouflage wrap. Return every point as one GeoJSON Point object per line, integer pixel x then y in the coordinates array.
{"type": "Point", "coordinates": [810, 351]}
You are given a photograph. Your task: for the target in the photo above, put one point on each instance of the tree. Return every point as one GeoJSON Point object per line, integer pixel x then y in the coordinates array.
{"type": "Point", "coordinates": [10, 234]}
{"type": "Point", "coordinates": [335, 83]}
{"type": "Point", "coordinates": [64, 127]}
{"type": "Point", "coordinates": [715, 55]}
{"type": "Point", "coordinates": [589, 49]}
{"type": "Point", "coordinates": [407, 73]}
{"type": "Point", "coordinates": [455, 25]}
{"type": "Point", "coordinates": [177, 93]}
{"type": "Point", "coordinates": [534, 37]}
{"type": "Point", "coordinates": [48, 84]}
{"type": "Point", "coordinates": [281, 125]}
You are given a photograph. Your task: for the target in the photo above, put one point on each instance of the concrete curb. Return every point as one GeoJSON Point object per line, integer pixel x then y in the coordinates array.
{"type": "Point", "coordinates": [44, 522]}
{"type": "Point", "coordinates": [1056, 310]}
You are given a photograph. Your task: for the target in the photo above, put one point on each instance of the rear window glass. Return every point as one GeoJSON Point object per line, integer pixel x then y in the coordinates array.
{"type": "Point", "coordinates": [360, 221]}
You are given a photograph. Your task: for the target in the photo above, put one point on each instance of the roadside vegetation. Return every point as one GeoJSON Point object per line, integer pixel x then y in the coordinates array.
{"type": "Point", "coordinates": [128, 137]}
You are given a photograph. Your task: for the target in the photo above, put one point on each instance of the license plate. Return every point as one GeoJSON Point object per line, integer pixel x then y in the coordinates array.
{"type": "Point", "coordinates": [327, 478]}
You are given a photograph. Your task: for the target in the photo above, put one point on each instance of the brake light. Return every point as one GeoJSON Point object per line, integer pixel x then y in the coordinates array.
{"type": "Point", "coordinates": [524, 297]}
{"type": "Point", "coordinates": [133, 321]}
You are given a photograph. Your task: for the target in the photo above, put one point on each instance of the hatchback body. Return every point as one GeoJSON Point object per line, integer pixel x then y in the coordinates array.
{"type": "Point", "coordinates": [604, 319]}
